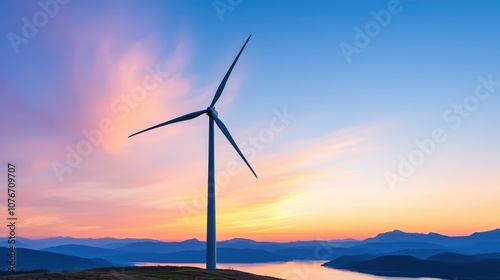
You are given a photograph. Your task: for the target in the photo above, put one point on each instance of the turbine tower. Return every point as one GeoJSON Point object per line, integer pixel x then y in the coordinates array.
{"type": "Point", "coordinates": [212, 117]}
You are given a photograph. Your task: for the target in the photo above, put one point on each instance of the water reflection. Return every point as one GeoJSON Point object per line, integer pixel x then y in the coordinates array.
{"type": "Point", "coordinates": [296, 270]}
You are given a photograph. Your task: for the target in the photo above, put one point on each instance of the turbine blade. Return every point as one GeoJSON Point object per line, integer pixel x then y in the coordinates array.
{"type": "Point", "coordinates": [179, 119]}
{"type": "Point", "coordinates": [224, 130]}
{"type": "Point", "coordinates": [224, 81]}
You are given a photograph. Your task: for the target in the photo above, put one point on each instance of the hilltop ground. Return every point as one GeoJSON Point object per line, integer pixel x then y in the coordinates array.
{"type": "Point", "coordinates": [144, 272]}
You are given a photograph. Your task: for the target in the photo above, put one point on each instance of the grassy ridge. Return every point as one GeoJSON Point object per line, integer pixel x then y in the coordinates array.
{"type": "Point", "coordinates": [144, 272]}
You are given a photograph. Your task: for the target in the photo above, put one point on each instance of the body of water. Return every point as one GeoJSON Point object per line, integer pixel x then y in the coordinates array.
{"type": "Point", "coordinates": [295, 270]}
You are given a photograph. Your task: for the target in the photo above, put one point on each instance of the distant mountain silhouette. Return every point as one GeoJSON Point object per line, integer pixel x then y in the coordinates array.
{"type": "Point", "coordinates": [83, 251]}
{"type": "Point", "coordinates": [491, 235]}
{"type": "Point", "coordinates": [459, 258]}
{"type": "Point", "coordinates": [393, 246]}
{"type": "Point", "coordinates": [476, 243]}
{"type": "Point", "coordinates": [224, 255]}
{"type": "Point", "coordinates": [162, 247]}
{"type": "Point", "coordinates": [479, 247]}
{"type": "Point", "coordinates": [419, 253]}
{"type": "Point", "coordinates": [242, 243]}
{"type": "Point", "coordinates": [37, 244]}
{"type": "Point", "coordinates": [27, 259]}
{"type": "Point", "coordinates": [454, 258]}
{"type": "Point", "coordinates": [400, 236]}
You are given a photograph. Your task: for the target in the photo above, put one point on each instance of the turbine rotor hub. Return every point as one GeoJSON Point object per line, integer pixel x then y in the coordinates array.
{"type": "Point", "coordinates": [212, 112]}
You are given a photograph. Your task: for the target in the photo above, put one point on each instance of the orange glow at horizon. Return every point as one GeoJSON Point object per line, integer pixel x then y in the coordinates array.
{"type": "Point", "coordinates": [314, 182]}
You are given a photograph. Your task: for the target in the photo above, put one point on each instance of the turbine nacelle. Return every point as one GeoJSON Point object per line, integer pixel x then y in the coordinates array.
{"type": "Point", "coordinates": [212, 112]}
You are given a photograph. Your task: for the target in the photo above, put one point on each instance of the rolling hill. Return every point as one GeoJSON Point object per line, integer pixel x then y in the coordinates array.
{"type": "Point", "coordinates": [144, 273]}
{"type": "Point", "coordinates": [407, 266]}
{"type": "Point", "coordinates": [28, 259]}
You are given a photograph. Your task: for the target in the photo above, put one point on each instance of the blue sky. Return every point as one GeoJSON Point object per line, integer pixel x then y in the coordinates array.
{"type": "Point", "coordinates": [353, 117]}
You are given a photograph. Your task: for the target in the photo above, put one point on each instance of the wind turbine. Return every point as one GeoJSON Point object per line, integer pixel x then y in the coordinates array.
{"type": "Point", "coordinates": [212, 117]}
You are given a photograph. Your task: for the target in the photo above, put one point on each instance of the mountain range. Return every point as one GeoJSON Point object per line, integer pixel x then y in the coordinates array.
{"type": "Point", "coordinates": [425, 250]}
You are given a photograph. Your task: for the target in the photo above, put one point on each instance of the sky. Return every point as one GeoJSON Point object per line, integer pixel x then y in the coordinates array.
{"type": "Point", "coordinates": [359, 117]}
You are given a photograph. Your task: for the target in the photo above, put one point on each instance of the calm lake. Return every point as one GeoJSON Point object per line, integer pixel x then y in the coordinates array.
{"type": "Point", "coordinates": [296, 270]}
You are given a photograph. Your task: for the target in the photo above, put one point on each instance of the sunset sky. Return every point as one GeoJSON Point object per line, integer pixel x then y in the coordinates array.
{"type": "Point", "coordinates": [359, 117]}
